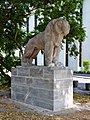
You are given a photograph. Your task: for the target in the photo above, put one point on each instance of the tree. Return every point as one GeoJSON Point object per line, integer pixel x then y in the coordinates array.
{"type": "Point", "coordinates": [13, 14]}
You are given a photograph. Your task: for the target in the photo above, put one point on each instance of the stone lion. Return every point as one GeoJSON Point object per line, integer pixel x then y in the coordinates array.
{"type": "Point", "coordinates": [49, 40]}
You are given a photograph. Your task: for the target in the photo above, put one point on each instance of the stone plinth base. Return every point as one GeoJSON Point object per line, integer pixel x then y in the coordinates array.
{"type": "Point", "coordinates": [43, 87]}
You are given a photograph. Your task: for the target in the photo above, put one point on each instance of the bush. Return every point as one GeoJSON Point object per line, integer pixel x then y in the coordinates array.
{"type": "Point", "coordinates": [82, 72]}
{"type": "Point", "coordinates": [86, 65]}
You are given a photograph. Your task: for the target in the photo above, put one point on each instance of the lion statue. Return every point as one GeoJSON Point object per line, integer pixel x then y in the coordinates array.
{"type": "Point", "coordinates": [49, 40]}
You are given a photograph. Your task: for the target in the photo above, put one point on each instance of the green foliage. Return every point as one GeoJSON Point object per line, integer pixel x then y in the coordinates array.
{"type": "Point", "coordinates": [86, 65]}
{"type": "Point", "coordinates": [13, 19]}
{"type": "Point", "coordinates": [82, 72]}
{"type": "Point", "coordinates": [13, 16]}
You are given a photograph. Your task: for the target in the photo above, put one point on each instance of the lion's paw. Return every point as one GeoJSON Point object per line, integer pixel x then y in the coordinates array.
{"type": "Point", "coordinates": [51, 65]}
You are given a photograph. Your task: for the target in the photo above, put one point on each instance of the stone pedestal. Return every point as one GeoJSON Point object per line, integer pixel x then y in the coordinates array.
{"type": "Point", "coordinates": [43, 87]}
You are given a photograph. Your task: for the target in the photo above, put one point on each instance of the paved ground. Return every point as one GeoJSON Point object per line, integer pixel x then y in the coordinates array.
{"type": "Point", "coordinates": [82, 80]}
{"type": "Point", "coordinates": [81, 91]}
{"type": "Point", "coordinates": [85, 75]}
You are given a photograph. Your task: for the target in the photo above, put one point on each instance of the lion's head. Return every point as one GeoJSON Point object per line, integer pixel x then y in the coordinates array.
{"type": "Point", "coordinates": [61, 26]}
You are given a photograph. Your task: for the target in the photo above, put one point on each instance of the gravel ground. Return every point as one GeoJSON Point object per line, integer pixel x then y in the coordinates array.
{"type": "Point", "coordinates": [13, 111]}
{"type": "Point", "coordinates": [14, 115]}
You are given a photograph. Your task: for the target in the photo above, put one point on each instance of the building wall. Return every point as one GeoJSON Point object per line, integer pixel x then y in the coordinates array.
{"type": "Point", "coordinates": [86, 24]}
{"type": "Point", "coordinates": [62, 56]}
{"type": "Point", "coordinates": [73, 63]}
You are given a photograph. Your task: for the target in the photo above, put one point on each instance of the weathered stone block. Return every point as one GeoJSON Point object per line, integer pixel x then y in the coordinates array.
{"type": "Point", "coordinates": [23, 71]}
{"type": "Point", "coordinates": [29, 81]}
{"type": "Point", "coordinates": [62, 74]}
{"type": "Point", "coordinates": [41, 93]}
{"type": "Point", "coordinates": [14, 71]}
{"type": "Point", "coordinates": [65, 83]}
{"type": "Point", "coordinates": [36, 72]}
{"type": "Point", "coordinates": [69, 74]}
{"type": "Point", "coordinates": [48, 73]}
{"type": "Point", "coordinates": [49, 88]}
{"type": "Point", "coordinates": [58, 103]}
{"type": "Point", "coordinates": [20, 89]}
{"type": "Point", "coordinates": [40, 103]}
{"type": "Point", "coordinates": [18, 80]}
{"type": "Point", "coordinates": [18, 96]}
{"type": "Point", "coordinates": [39, 83]}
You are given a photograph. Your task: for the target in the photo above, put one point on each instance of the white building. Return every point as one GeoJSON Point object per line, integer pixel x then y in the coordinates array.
{"type": "Point", "coordinates": [86, 23]}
